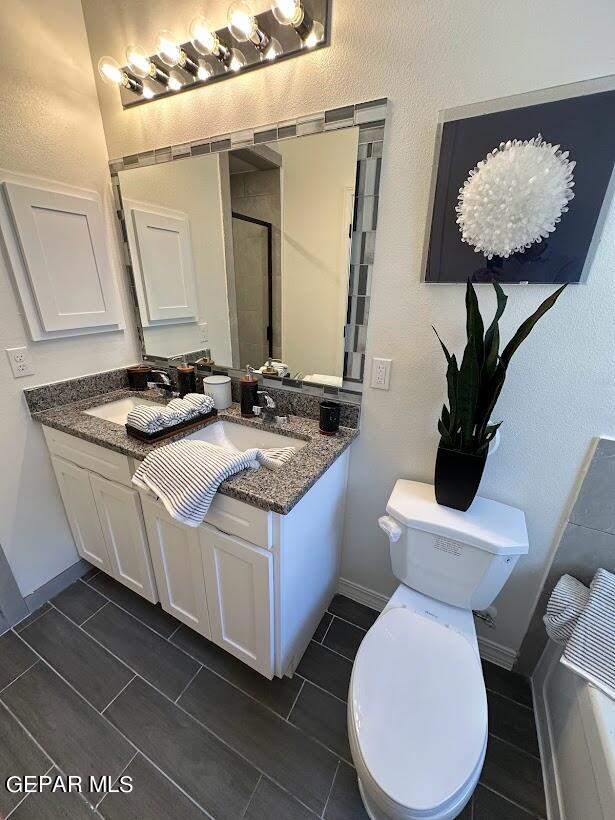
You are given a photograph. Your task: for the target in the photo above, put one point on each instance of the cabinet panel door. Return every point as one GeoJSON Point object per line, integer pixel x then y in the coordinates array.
{"type": "Point", "coordinates": [176, 556]}
{"type": "Point", "coordinates": [239, 584]}
{"type": "Point", "coordinates": [82, 514]}
{"type": "Point", "coordinates": [119, 511]}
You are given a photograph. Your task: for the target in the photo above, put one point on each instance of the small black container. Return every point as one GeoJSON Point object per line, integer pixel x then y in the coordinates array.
{"type": "Point", "coordinates": [186, 379]}
{"type": "Point", "coordinates": [249, 395]}
{"type": "Point", "coordinates": [457, 478]}
{"type": "Point", "coordinates": [138, 376]}
{"type": "Point", "coordinates": [329, 418]}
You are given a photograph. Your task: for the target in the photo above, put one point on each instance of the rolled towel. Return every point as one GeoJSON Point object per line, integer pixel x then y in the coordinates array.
{"type": "Point", "coordinates": [191, 405]}
{"type": "Point", "coordinates": [568, 600]}
{"type": "Point", "coordinates": [590, 652]}
{"type": "Point", "coordinates": [147, 418]}
{"type": "Point", "coordinates": [203, 404]}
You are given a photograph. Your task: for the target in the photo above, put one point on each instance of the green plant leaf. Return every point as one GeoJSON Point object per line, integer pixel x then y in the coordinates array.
{"type": "Point", "coordinates": [474, 324]}
{"type": "Point", "coordinates": [452, 378]}
{"type": "Point", "coordinates": [444, 348]}
{"type": "Point", "coordinates": [492, 336]}
{"type": "Point", "coordinates": [526, 328]}
{"type": "Point", "coordinates": [467, 394]}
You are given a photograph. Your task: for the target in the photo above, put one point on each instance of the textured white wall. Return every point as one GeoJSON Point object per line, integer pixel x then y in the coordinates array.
{"type": "Point", "coordinates": [50, 126]}
{"type": "Point", "coordinates": [425, 56]}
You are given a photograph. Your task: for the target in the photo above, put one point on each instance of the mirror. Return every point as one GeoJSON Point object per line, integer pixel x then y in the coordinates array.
{"type": "Point", "coordinates": [247, 253]}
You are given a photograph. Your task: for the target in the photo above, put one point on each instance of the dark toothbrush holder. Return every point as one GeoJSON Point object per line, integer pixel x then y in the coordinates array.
{"type": "Point", "coordinates": [329, 418]}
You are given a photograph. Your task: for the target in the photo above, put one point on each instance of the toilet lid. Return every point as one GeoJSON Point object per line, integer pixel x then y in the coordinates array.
{"type": "Point", "coordinates": [418, 708]}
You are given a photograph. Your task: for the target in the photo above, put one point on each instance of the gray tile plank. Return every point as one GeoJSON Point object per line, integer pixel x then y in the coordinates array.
{"type": "Point", "coordinates": [514, 775]}
{"type": "Point", "coordinates": [151, 614]}
{"type": "Point", "coordinates": [93, 671]}
{"type": "Point", "coordinates": [152, 797]}
{"type": "Point", "coordinates": [489, 806]}
{"type": "Point", "coordinates": [278, 694]}
{"type": "Point", "coordinates": [280, 750]}
{"type": "Point", "coordinates": [212, 774]}
{"type": "Point", "coordinates": [146, 652]}
{"type": "Point", "coordinates": [15, 658]}
{"type": "Point", "coordinates": [75, 736]}
{"type": "Point", "coordinates": [322, 716]}
{"type": "Point", "coordinates": [513, 723]}
{"type": "Point", "coordinates": [54, 804]}
{"type": "Point", "coordinates": [506, 683]}
{"type": "Point", "coordinates": [344, 638]}
{"type": "Point", "coordinates": [595, 505]}
{"type": "Point", "coordinates": [270, 802]}
{"type": "Point", "coordinates": [327, 669]}
{"type": "Point", "coordinates": [345, 800]}
{"type": "Point", "coordinates": [36, 614]}
{"type": "Point", "coordinates": [356, 613]}
{"type": "Point", "coordinates": [322, 627]}
{"type": "Point", "coordinates": [19, 755]}
{"type": "Point", "coordinates": [78, 602]}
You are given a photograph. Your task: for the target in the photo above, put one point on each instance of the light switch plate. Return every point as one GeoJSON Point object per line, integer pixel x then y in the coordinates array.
{"type": "Point", "coordinates": [21, 362]}
{"type": "Point", "coordinates": [381, 373]}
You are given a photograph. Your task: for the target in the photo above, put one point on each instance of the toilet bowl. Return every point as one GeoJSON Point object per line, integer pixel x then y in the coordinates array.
{"type": "Point", "coordinates": [417, 706]}
{"type": "Point", "coordinates": [417, 711]}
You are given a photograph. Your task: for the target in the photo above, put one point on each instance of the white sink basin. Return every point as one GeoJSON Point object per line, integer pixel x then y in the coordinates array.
{"type": "Point", "coordinates": [242, 437]}
{"type": "Point", "coordinates": [117, 411]}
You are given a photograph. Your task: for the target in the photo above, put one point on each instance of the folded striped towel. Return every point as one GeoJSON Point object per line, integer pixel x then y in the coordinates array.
{"type": "Point", "coordinates": [152, 419]}
{"type": "Point", "coordinates": [568, 600]}
{"type": "Point", "coordinates": [590, 652]}
{"type": "Point", "coordinates": [185, 475]}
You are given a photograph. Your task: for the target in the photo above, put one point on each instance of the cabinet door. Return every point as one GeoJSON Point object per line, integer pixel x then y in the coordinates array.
{"type": "Point", "coordinates": [239, 584]}
{"type": "Point", "coordinates": [119, 511]}
{"type": "Point", "coordinates": [178, 567]}
{"type": "Point", "coordinates": [82, 514]}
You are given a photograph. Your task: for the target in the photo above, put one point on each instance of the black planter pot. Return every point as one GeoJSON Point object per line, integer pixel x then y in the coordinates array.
{"type": "Point", "coordinates": [457, 477]}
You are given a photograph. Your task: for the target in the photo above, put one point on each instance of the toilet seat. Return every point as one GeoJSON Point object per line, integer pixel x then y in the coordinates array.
{"type": "Point", "coordinates": [417, 714]}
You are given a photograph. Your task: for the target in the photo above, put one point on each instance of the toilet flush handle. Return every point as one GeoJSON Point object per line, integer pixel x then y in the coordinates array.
{"type": "Point", "coordinates": [390, 526]}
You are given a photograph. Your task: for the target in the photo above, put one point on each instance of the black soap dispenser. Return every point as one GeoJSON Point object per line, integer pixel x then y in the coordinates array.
{"type": "Point", "coordinates": [249, 393]}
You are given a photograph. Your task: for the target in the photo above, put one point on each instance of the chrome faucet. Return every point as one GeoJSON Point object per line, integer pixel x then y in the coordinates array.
{"type": "Point", "coordinates": [164, 383]}
{"type": "Point", "coordinates": [267, 411]}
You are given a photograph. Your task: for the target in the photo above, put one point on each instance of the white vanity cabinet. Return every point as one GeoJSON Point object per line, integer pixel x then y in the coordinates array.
{"type": "Point", "coordinates": [252, 581]}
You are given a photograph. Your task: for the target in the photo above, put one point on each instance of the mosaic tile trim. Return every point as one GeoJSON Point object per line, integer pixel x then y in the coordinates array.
{"type": "Point", "coordinates": [371, 119]}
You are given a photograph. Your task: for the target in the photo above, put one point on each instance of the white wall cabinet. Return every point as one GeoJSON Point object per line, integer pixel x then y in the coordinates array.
{"type": "Point", "coordinates": [253, 582]}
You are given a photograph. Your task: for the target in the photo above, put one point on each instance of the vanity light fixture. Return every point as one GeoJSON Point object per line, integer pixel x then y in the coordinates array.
{"type": "Point", "coordinates": [208, 55]}
{"type": "Point", "coordinates": [244, 27]}
{"type": "Point", "coordinates": [293, 13]}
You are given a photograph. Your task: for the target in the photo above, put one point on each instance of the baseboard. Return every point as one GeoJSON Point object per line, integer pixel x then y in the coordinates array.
{"type": "Point", "coordinates": [489, 650]}
{"type": "Point", "coordinates": [56, 585]}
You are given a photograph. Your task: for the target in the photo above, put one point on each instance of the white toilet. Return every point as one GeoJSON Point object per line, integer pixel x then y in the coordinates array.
{"type": "Point", "coordinates": [417, 707]}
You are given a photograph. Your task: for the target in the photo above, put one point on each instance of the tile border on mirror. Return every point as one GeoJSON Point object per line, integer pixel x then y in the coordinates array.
{"type": "Point", "coordinates": [370, 117]}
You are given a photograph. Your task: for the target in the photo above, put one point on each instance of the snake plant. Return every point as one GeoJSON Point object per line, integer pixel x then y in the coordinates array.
{"type": "Point", "coordinates": [475, 386]}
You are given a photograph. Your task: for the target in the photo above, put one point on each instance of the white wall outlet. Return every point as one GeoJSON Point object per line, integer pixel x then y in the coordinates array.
{"type": "Point", "coordinates": [203, 332]}
{"type": "Point", "coordinates": [381, 373]}
{"type": "Point", "coordinates": [21, 363]}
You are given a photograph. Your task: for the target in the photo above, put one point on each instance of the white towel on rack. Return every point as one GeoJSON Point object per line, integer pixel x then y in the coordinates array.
{"type": "Point", "coordinates": [568, 600]}
{"type": "Point", "coordinates": [185, 475]}
{"type": "Point", "coordinates": [590, 652]}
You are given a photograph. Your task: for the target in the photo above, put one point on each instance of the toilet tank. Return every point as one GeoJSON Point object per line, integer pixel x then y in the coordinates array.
{"type": "Point", "coordinates": [461, 558]}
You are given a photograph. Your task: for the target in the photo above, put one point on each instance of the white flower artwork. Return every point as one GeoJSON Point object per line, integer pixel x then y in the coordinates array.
{"type": "Point", "coordinates": [515, 197]}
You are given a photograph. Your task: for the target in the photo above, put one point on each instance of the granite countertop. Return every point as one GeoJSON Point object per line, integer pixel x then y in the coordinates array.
{"type": "Point", "coordinates": [275, 490]}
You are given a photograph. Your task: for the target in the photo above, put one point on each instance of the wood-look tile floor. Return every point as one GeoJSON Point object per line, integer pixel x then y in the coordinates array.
{"type": "Point", "coordinates": [100, 682]}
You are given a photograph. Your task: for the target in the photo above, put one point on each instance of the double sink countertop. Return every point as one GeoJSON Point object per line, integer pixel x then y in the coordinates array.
{"type": "Point", "coordinates": [275, 490]}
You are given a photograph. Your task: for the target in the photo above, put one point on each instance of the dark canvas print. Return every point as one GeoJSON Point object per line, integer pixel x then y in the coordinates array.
{"type": "Point", "coordinates": [584, 127]}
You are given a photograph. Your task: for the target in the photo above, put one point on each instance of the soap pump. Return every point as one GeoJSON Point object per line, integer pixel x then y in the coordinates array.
{"type": "Point", "coordinates": [249, 393]}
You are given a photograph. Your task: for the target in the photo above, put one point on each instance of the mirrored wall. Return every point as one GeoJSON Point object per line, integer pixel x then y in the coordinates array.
{"type": "Point", "coordinates": [259, 255]}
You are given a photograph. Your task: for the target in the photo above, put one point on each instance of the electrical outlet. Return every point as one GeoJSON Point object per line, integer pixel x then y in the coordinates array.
{"type": "Point", "coordinates": [381, 373]}
{"type": "Point", "coordinates": [203, 332]}
{"type": "Point", "coordinates": [21, 363]}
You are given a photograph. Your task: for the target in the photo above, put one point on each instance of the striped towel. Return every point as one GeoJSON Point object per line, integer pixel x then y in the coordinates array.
{"type": "Point", "coordinates": [185, 475]}
{"type": "Point", "coordinates": [150, 419]}
{"type": "Point", "coordinates": [567, 602]}
{"type": "Point", "coordinates": [590, 652]}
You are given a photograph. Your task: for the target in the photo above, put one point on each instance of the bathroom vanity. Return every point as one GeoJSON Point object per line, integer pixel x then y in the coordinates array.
{"type": "Point", "coordinates": [257, 575]}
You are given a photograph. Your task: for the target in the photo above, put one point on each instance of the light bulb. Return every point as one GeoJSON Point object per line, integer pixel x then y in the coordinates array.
{"type": "Point", "coordinates": [148, 93]}
{"type": "Point", "coordinates": [288, 12]}
{"type": "Point", "coordinates": [241, 22]}
{"type": "Point", "coordinates": [204, 71]}
{"type": "Point", "coordinates": [273, 50]}
{"type": "Point", "coordinates": [110, 71]}
{"type": "Point", "coordinates": [315, 36]}
{"type": "Point", "coordinates": [167, 48]}
{"type": "Point", "coordinates": [203, 37]}
{"type": "Point", "coordinates": [175, 82]}
{"type": "Point", "coordinates": [138, 61]}
{"type": "Point", "coordinates": [238, 60]}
